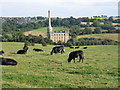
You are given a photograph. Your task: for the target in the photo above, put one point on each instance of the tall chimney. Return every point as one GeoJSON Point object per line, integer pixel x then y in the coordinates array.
{"type": "Point", "coordinates": [49, 21]}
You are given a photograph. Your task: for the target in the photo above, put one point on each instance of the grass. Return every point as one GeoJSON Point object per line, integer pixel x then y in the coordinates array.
{"type": "Point", "coordinates": [42, 31]}
{"type": "Point", "coordinates": [102, 36]}
{"type": "Point", "coordinates": [42, 70]}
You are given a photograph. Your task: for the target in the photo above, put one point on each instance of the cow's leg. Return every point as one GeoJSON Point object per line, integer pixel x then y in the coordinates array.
{"type": "Point", "coordinates": [74, 60]}
{"type": "Point", "coordinates": [61, 51]}
{"type": "Point", "coordinates": [82, 58]}
{"type": "Point", "coordinates": [51, 53]}
{"type": "Point", "coordinates": [79, 58]}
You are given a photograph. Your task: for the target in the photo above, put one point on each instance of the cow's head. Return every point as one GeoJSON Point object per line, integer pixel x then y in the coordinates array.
{"type": "Point", "coordinates": [69, 60]}
{"type": "Point", "coordinates": [2, 51]}
{"type": "Point", "coordinates": [51, 53]}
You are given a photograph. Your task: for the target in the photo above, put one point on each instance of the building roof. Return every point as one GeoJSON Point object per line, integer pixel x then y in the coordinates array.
{"type": "Point", "coordinates": [59, 31]}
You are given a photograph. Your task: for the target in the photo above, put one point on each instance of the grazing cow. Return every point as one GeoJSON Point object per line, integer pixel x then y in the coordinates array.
{"type": "Point", "coordinates": [25, 47]}
{"type": "Point", "coordinates": [76, 47]}
{"type": "Point", "coordinates": [24, 51]}
{"type": "Point", "coordinates": [21, 52]}
{"type": "Point", "coordinates": [38, 50]}
{"type": "Point", "coordinates": [2, 52]}
{"type": "Point", "coordinates": [71, 47]}
{"type": "Point", "coordinates": [58, 49]}
{"type": "Point", "coordinates": [76, 54]}
{"type": "Point", "coordinates": [7, 61]}
{"type": "Point", "coordinates": [84, 47]}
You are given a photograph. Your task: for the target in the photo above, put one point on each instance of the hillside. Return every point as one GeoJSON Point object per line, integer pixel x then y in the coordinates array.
{"type": "Point", "coordinates": [102, 36]}
{"type": "Point", "coordinates": [42, 31]}
{"type": "Point", "coordinates": [100, 23]}
{"type": "Point", "coordinates": [42, 70]}
{"type": "Point", "coordinates": [37, 32]}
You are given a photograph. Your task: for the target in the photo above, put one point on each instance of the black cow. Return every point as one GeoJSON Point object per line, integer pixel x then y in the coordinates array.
{"type": "Point", "coordinates": [38, 50]}
{"type": "Point", "coordinates": [84, 47]}
{"type": "Point", "coordinates": [58, 49]}
{"type": "Point", "coordinates": [7, 61]}
{"type": "Point", "coordinates": [76, 54]}
{"type": "Point", "coordinates": [21, 52]}
{"type": "Point", "coordinates": [2, 52]}
{"type": "Point", "coordinates": [76, 47]}
{"type": "Point", "coordinates": [24, 51]}
{"type": "Point", "coordinates": [71, 47]}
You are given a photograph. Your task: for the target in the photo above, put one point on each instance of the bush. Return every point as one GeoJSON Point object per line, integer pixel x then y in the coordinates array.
{"type": "Point", "coordinates": [44, 43]}
{"type": "Point", "coordinates": [29, 43]}
{"type": "Point", "coordinates": [69, 44]}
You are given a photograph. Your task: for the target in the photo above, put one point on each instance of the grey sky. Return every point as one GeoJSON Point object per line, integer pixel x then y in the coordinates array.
{"type": "Point", "coordinates": [59, 8]}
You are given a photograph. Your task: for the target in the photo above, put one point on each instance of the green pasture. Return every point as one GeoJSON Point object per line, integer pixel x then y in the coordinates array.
{"type": "Point", "coordinates": [112, 36]}
{"type": "Point", "coordinates": [42, 70]}
{"type": "Point", "coordinates": [43, 31]}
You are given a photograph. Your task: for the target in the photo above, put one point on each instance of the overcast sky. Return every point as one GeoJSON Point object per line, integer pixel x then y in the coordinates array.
{"type": "Point", "coordinates": [58, 8]}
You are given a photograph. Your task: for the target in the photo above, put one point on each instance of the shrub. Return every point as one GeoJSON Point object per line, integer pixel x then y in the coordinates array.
{"type": "Point", "coordinates": [44, 43]}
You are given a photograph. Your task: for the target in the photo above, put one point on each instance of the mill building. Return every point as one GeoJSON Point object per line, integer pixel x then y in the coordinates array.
{"type": "Point", "coordinates": [56, 36]}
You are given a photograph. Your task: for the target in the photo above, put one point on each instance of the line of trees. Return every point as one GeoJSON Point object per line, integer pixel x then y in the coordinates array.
{"type": "Point", "coordinates": [90, 41]}
{"type": "Point", "coordinates": [19, 37]}
{"type": "Point", "coordinates": [76, 31]}
{"type": "Point", "coordinates": [13, 25]}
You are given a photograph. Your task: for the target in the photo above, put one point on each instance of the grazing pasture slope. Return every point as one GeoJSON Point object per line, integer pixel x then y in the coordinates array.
{"type": "Point", "coordinates": [41, 31]}
{"type": "Point", "coordinates": [42, 70]}
{"type": "Point", "coordinates": [113, 36]}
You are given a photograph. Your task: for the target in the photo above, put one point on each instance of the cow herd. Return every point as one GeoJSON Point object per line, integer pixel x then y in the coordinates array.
{"type": "Point", "coordinates": [58, 49]}
{"type": "Point", "coordinates": [77, 47]}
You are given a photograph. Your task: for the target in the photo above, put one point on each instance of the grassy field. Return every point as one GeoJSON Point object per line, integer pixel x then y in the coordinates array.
{"type": "Point", "coordinates": [42, 31]}
{"type": "Point", "coordinates": [42, 70]}
{"type": "Point", "coordinates": [102, 36]}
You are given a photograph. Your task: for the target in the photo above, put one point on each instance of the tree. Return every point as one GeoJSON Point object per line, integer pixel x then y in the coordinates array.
{"type": "Point", "coordinates": [87, 30]}
{"type": "Point", "coordinates": [72, 20]}
{"type": "Point", "coordinates": [56, 22]}
{"type": "Point", "coordinates": [65, 22]}
{"type": "Point", "coordinates": [74, 41]}
{"type": "Point", "coordinates": [44, 43]}
{"type": "Point", "coordinates": [69, 44]}
{"type": "Point", "coordinates": [75, 30]}
{"type": "Point", "coordinates": [47, 40]}
{"type": "Point", "coordinates": [59, 43]}
{"type": "Point", "coordinates": [96, 23]}
{"type": "Point", "coordinates": [108, 26]}
{"type": "Point", "coordinates": [110, 19]}
{"type": "Point", "coordinates": [97, 30]}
